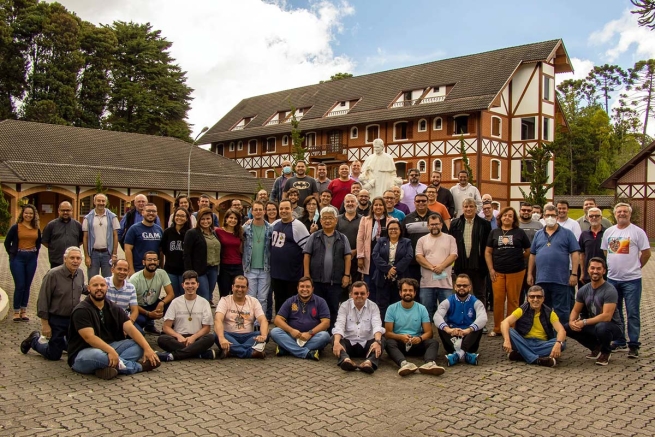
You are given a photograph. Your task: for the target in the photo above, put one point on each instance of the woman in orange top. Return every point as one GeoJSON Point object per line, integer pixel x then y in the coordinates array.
{"type": "Point", "coordinates": [22, 244]}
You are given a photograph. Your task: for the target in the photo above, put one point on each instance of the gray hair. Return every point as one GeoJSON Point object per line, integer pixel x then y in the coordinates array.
{"type": "Point", "coordinates": [550, 207]}
{"type": "Point", "coordinates": [594, 209]}
{"type": "Point", "coordinates": [72, 249]}
{"type": "Point", "coordinates": [623, 204]}
{"type": "Point", "coordinates": [468, 201]}
{"type": "Point", "coordinates": [329, 210]}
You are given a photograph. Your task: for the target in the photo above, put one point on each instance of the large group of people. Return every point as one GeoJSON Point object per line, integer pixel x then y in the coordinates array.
{"type": "Point", "coordinates": [324, 263]}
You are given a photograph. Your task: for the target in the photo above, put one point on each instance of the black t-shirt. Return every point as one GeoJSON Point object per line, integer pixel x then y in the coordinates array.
{"type": "Point", "coordinates": [590, 247]}
{"type": "Point", "coordinates": [172, 245]}
{"type": "Point", "coordinates": [306, 186]}
{"type": "Point", "coordinates": [107, 324]}
{"type": "Point", "coordinates": [508, 248]}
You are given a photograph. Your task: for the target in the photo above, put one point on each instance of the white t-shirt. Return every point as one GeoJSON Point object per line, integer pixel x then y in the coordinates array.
{"type": "Point", "coordinates": [571, 225]}
{"type": "Point", "coordinates": [436, 250]}
{"type": "Point", "coordinates": [624, 248]}
{"type": "Point", "coordinates": [181, 309]}
{"type": "Point", "coordinates": [239, 319]}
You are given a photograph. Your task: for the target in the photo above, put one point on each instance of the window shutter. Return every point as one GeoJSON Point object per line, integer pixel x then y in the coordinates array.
{"type": "Point", "coordinates": [410, 126]}
{"type": "Point", "coordinates": [471, 124]}
{"type": "Point", "coordinates": [450, 124]}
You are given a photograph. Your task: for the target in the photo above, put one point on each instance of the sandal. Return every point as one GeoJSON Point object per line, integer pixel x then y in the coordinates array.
{"type": "Point", "coordinates": [492, 334]}
{"type": "Point", "coordinates": [17, 317]}
{"type": "Point", "coordinates": [23, 316]}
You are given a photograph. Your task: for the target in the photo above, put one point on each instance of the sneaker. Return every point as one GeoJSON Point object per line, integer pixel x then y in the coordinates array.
{"type": "Point", "coordinates": [147, 367]}
{"type": "Point", "coordinates": [107, 373]}
{"type": "Point", "coordinates": [279, 352]}
{"type": "Point", "coordinates": [485, 330]}
{"type": "Point", "coordinates": [312, 355]}
{"type": "Point", "coordinates": [594, 354]}
{"type": "Point", "coordinates": [165, 356]}
{"type": "Point", "coordinates": [348, 366]}
{"type": "Point", "coordinates": [407, 368]}
{"type": "Point", "coordinates": [514, 356]}
{"type": "Point", "coordinates": [26, 344]}
{"type": "Point", "coordinates": [619, 348]}
{"type": "Point", "coordinates": [209, 354]}
{"type": "Point", "coordinates": [547, 361]}
{"type": "Point", "coordinates": [634, 352]}
{"type": "Point", "coordinates": [452, 359]}
{"type": "Point", "coordinates": [603, 359]}
{"type": "Point", "coordinates": [471, 358]}
{"type": "Point", "coordinates": [258, 354]}
{"type": "Point", "coordinates": [223, 354]}
{"type": "Point", "coordinates": [431, 368]}
{"type": "Point", "coordinates": [152, 330]}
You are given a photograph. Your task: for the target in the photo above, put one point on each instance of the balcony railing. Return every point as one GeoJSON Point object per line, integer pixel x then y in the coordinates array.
{"type": "Point", "coordinates": [240, 127]}
{"type": "Point", "coordinates": [327, 149]}
{"type": "Point", "coordinates": [335, 113]}
{"type": "Point", "coordinates": [276, 121]}
{"type": "Point", "coordinates": [403, 103]}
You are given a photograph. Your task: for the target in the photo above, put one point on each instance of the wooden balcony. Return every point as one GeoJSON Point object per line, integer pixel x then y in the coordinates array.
{"type": "Point", "coordinates": [333, 152]}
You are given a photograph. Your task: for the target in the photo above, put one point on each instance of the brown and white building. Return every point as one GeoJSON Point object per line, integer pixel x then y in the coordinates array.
{"type": "Point", "coordinates": [500, 104]}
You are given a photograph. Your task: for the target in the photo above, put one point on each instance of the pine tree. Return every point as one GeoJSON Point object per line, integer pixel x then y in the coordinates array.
{"type": "Point", "coordinates": [540, 157]}
{"type": "Point", "coordinates": [641, 88]}
{"type": "Point", "coordinates": [5, 215]}
{"type": "Point", "coordinates": [298, 151]}
{"type": "Point", "coordinates": [606, 79]}
{"type": "Point", "coordinates": [465, 160]}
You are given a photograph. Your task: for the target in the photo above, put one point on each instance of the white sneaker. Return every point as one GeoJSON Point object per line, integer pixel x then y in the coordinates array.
{"type": "Point", "coordinates": [431, 368]}
{"type": "Point", "coordinates": [407, 368]}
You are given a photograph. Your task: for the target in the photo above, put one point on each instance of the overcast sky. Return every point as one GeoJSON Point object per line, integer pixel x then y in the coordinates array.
{"type": "Point", "coordinates": [233, 49]}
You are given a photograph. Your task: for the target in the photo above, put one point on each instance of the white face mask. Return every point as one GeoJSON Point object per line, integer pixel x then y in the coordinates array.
{"type": "Point", "coordinates": [536, 217]}
{"type": "Point", "coordinates": [286, 169]}
{"type": "Point", "coordinates": [550, 221]}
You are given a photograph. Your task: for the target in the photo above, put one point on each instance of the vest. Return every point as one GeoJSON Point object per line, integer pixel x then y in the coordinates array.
{"type": "Point", "coordinates": [90, 217]}
{"type": "Point", "coordinates": [524, 324]}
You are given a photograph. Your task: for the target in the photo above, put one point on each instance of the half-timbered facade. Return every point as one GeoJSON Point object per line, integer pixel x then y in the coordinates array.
{"type": "Point", "coordinates": [495, 105]}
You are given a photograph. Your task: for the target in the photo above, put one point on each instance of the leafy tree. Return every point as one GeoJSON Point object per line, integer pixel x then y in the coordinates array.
{"type": "Point", "coordinates": [540, 157]}
{"type": "Point", "coordinates": [605, 80]}
{"type": "Point", "coordinates": [573, 93]}
{"type": "Point", "coordinates": [149, 94]}
{"type": "Point", "coordinates": [298, 151]}
{"type": "Point", "coordinates": [5, 215]}
{"type": "Point", "coordinates": [337, 76]}
{"type": "Point", "coordinates": [641, 85]}
{"type": "Point", "coordinates": [646, 11]}
{"type": "Point", "coordinates": [465, 160]}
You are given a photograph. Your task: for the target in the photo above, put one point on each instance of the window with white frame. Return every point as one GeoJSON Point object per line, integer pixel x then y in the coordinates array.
{"type": "Point", "coordinates": [239, 146]}
{"type": "Point", "coordinates": [421, 166]}
{"type": "Point", "coordinates": [458, 165]}
{"type": "Point", "coordinates": [528, 125]}
{"type": "Point", "coordinates": [219, 149]}
{"type": "Point", "coordinates": [436, 165]}
{"type": "Point", "coordinates": [401, 169]}
{"type": "Point", "coordinates": [285, 140]}
{"type": "Point", "coordinates": [253, 172]}
{"type": "Point", "coordinates": [527, 170]}
{"type": "Point", "coordinates": [310, 140]}
{"type": "Point", "coordinates": [354, 132]}
{"type": "Point", "coordinates": [461, 125]}
{"type": "Point", "coordinates": [422, 125]}
{"type": "Point", "coordinates": [372, 132]}
{"type": "Point", "coordinates": [437, 124]}
{"type": "Point", "coordinates": [495, 126]}
{"type": "Point", "coordinates": [270, 145]}
{"type": "Point", "coordinates": [252, 147]}
{"type": "Point", "coordinates": [546, 88]}
{"type": "Point", "coordinates": [546, 135]}
{"type": "Point", "coordinates": [495, 169]}
{"type": "Point", "coordinates": [270, 174]}
{"type": "Point", "coordinates": [401, 130]}
{"type": "Point", "coordinates": [232, 147]}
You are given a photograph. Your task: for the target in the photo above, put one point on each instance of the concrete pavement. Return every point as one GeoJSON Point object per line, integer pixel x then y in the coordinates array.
{"type": "Point", "coordinates": [287, 396]}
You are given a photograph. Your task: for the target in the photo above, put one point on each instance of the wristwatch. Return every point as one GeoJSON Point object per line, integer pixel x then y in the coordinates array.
{"type": "Point", "coordinates": [311, 332]}
{"type": "Point", "coordinates": [561, 343]}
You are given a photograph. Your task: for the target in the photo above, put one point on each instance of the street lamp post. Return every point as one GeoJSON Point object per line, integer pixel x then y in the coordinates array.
{"type": "Point", "coordinates": [188, 173]}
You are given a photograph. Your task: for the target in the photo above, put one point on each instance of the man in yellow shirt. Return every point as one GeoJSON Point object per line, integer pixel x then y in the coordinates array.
{"type": "Point", "coordinates": [537, 336]}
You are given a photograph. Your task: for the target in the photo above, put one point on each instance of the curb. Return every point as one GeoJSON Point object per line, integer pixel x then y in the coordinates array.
{"type": "Point", "coordinates": [4, 304]}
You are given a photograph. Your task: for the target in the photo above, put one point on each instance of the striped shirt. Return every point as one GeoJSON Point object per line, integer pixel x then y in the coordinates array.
{"type": "Point", "coordinates": [124, 297]}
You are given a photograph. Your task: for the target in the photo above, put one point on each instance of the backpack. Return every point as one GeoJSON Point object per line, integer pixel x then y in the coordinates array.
{"type": "Point", "coordinates": [129, 221]}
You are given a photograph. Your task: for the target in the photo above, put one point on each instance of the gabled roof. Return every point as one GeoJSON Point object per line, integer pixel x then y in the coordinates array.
{"type": "Point", "coordinates": [52, 154]}
{"type": "Point", "coordinates": [478, 79]}
{"type": "Point", "coordinates": [612, 181]}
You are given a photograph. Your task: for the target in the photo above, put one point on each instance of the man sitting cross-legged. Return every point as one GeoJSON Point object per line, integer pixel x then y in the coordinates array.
{"type": "Point", "coordinates": [358, 331]}
{"type": "Point", "coordinates": [187, 325]}
{"type": "Point", "coordinates": [302, 323]}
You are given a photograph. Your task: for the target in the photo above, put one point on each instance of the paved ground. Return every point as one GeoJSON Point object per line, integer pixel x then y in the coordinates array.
{"type": "Point", "coordinates": [287, 396]}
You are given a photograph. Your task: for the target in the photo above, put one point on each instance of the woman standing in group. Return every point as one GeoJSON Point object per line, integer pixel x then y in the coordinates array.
{"type": "Point", "coordinates": [507, 248]}
{"type": "Point", "coordinates": [172, 246]}
{"type": "Point", "coordinates": [202, 253]}
{"type": "Point", "coordinates": [231, 238]}
{"type": "Point", "coordinates": [391, 257]}
{"type": "Point", "coordinates": [371, 228]}
{"type": "Point", "coordinates": [22, 243]}
{"type": "Point", "coordinates": [272, 212]}
{"type": "Point", "coordinates": [183, 201]}
{"type": "Point", "coordinates": [310, 215]}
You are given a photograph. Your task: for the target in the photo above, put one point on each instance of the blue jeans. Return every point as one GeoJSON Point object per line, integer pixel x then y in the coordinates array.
{"type": "Point", "coordinates": [432, 297]}
{"type": "Point", "coordinates": [142, 320]}
{"type": "Point", "coordinates": [531, 348]}
{"type": "Point", "coordinates": [100, 263]}
{"type": "Point", "coordinates": [241, 346]}
{"type": "Point", "coordinates": [207, 283]}
{"type": "Point", "coordinates": [630, 294]}
{"type": "Point", "coordinates": [558, 297]}
{"type": "Point", "coordinates": [23, 267]}
{"type": "Point", "coordinates": [259, 285]}
{"type": "Point", "coordinates": [289, 344]}
{"type": "Point", "coordinates": [53, 349]}
{"type": "Point", "coordinates": [176, 283]}
{"type": "Point", "coordinates": [269, 303]}
{"type": "Point", "coordinates": [91, 359]}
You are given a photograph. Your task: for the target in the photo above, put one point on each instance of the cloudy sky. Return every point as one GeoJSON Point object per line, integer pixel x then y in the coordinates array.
{"type": "Point", "coordinates": [233, 49]}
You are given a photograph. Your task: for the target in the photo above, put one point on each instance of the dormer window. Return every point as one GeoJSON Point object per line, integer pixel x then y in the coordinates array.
{"type": "Point", "coordinates": [341, 108]}
{"type": "Point", "coordinates": [420, 96]}
{"type": "Point", "coordinates": [243, 123]}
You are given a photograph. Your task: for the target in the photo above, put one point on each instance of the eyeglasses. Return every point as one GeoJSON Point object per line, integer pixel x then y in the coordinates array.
{"type": "Point", "coordinates": [594, 216]}
{"type": "Point", "coordinates": [361, 293]}
{"type": "Point", "coordinates": [152, 211]}
{"type": "Point", "coordinates": [393, 230]}
{"type": "Point", "coordinates": [389, 198]}
{"type": "Point", "coordinates": [420, 201]}
{"type": "Point", "coordinates": [462, 285]}
{"type": "Point", "coordinates": [434, 225]}
{"type": "Point", "coordinates": [535, 297]}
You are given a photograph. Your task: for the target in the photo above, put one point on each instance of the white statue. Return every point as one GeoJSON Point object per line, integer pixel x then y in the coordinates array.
{"type": "Point", "coordinates": [379, 171]}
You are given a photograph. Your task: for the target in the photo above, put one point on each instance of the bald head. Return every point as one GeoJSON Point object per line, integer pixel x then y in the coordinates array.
{"type": "Point", "coordinates": [65, 211]}
{"type": "Point", "coordinates": [140, 202]}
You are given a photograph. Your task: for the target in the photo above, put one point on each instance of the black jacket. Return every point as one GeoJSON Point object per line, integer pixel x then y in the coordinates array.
{"type": "Point", "coordinates": [479, 236]}
{"type": "Point", "coordinates": [195, 251]}
{"type": "Point", "coordinates": [11, 241]}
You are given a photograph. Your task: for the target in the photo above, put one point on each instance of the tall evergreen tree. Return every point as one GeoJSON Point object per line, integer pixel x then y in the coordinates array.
{"type": "Point", "coordinates": [606, 79]}
{"type": "Point", "coordinates": [641, 85]}
{"type": "Point", "coordinates": [149, 94]}
{"type": "Point", "coordinates": [540, 157]}
{"type": "Point", "coordinates": [645, 9]}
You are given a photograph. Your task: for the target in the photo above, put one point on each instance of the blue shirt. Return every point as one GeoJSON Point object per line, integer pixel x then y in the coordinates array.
{"type": "Point", "coordinates": [314, 310]}
{"type": "Point", "coordinates": [552, 261]}
{"type": "Point", "coordinates": [143, 239]}
{"type": "Point", "coordinates": [407, 321]}
{"type": "Point", "coordinates": [397, 214]}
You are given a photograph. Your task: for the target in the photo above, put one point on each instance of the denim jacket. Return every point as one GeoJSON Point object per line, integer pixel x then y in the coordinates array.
{"type": "Point", "coordinates": [247, 246]}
